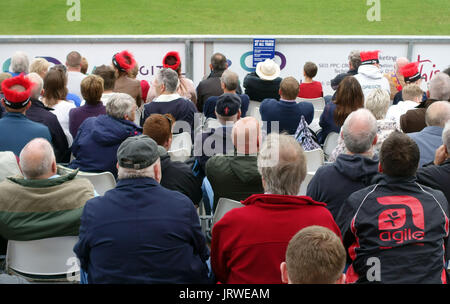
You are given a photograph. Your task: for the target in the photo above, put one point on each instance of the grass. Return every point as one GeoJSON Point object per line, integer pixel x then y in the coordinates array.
{"type": "Point", "coordinates": [244, 17]}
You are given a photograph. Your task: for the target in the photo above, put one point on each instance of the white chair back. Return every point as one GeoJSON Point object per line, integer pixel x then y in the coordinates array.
{"type": "Point", "coordinates": [318, 103]}
{"type": "Point", "coordinates": [314, 159]}
{"type": "Point", "coordinates": [45, 257]}
{"type": "Point", "coordinates": [304, 185]}
{"type": "Point", "coordinates": [223, 206]}
{"type": "Point", "coordinates": [8, 165]}
{"type": "Point", "coordinates": [102, 182]}
{"type": "Point", "coordinates": [253, 109]}
{"type": "Point", "coordinates": [181, 147]}
{"type": "Point", "coordinates": [330, 143]}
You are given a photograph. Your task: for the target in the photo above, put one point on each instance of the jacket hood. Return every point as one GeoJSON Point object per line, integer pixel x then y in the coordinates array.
{"type": "Point", "coordinates": [370, 71]}
{"type": "Point", "coordinates": [244, 167]}
{"type": "Point", "coordinates": [109, 131]}
{"type": "Point", "coordinates": [357, 167]}
{"type": "Point", "coordinates": [275, 201]}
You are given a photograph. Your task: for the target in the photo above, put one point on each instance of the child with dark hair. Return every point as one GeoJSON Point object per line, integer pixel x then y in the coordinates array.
{"type": "Point", "coordinates": [310, 88]}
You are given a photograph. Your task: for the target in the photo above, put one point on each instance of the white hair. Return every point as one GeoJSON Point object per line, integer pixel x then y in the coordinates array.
{"type": "Point", "coordinates": [124, 173]}
{"type": "Point", "coordinates": [439, 87]}
{"type": "Point", "coordinates": [19, 62]}
{"type": "Point", "coordinates": [39, 84]}
{"type": "Point", "coordinates": [359, 138]}
{"type": "Point", "coordinates": [169, 78]}
{"type": "Point", "coordinates": [36, 158]}
{"type": "Point", "coordinates": [446, 136]}
{"type": "Point", "coordinates": [378, 102]}
{"type": "Point", "coordinates": [437, 114]}
{"type": "Point", "coordinates": [119, 105]}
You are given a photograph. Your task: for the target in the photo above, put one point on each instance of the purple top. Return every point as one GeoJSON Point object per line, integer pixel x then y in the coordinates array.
{"type": "Point", "coordinates": [78, 115]}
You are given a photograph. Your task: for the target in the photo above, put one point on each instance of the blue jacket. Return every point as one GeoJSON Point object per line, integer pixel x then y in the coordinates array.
{"type": "Point", "coordinates": [287, 113]}
{"type": "Point", "coordinates": [428, 140]}
{"type": "Point", "coordinates": [16, 130]}
{"type": "Point", "coordinates": [98, 138]}
{"type": "Point", "coordinates": [141, 232]}
{"type": "Point", "coordinates": [327, 123]}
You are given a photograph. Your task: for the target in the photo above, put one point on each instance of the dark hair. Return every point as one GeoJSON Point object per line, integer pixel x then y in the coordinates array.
{"type": "Point", "coordinates": [55, 89]}
{"type": "Point", "coordinates": [349, 97]}
{"type": "Point", "coordinates": [159, 127]}
{"type": "Point", "coordinates": [447, 71]}
{"type": "Point", "coordinates": [171, 60]}
{"type": "Point", "coordinates": [219, 62]}
{"type": "Point", "coordinates": [310, 69]}
{"type": "Point", "coordinates": [107, 73]}
{"type": "Point", "coordinates": [399, 155]}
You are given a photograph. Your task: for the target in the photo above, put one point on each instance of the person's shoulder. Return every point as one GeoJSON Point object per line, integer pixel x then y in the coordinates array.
{"type": "Point", "coordinates": [217, 163]}
{"type": "Point", "coordinates": [269, 102]}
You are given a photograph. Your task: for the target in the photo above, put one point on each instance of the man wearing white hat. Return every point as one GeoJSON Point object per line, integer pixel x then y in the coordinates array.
{"type": "Point", "coordinates": [264, 82]}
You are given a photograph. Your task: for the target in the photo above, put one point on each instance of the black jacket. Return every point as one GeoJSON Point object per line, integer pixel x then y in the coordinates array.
{"type": "Point", "coordinates": [333, 183]}
{"type": "Point", "coordinates": [258, 89]}
{"type": "Point", "coordinates": [401, 226]}
{"type": "Point", "coordinates": [38, 112]}
{"type": "Point", "coordinates": [436, 177]}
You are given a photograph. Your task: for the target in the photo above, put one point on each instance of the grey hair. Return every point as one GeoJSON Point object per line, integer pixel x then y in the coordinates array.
{"type": "Point", "coordinates": [119, 105]}
{"type": "Point", "coordinates": [124, 173]}
{"type": "Point", "coordinates": [446, 135]}
{"type": "Point", "coordinates": [437, 114]}
{"type": "Point", "coordinates": [378, 102]}
{"type": "Point", "coordinates": [439, 87]}
{"type": "Point", "coordinates": [36, 158]}
{"type": "Point", "coordinates": [282, 164]}
{"type": "Point", "coordinates": [230, 79]}
{"type": "Point", "coordinates": [169, 78]}
{"type": "Point", "coordinates": [39, 84]}
{"type": "Point", "coordinates": [359, 138]}
{"type": "Point", "coordinates": [355, 59]}
{"type": "Point", "coordinates": [20, 62]}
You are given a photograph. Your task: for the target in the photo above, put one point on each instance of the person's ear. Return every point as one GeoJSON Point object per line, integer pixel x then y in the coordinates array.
{"type": "Point", "coordinates": [341, 279]}
{"type": "Point", "coordinates": [54, 167]}
{"type": "Point", "coordinates": [210, 67]}
{"type": "Point", "coordinates": [239, 114]}
{"type": "Point", "coordinates": [222, 85]}
{"type": "Point", "coordinates": [117, 165]}
{"type": "Point", "coordinates": [284, 273]}
{"type": "Point", "coordinates": [168, 143]}
{"type": "Point", "coordinates": [380, 169]}
{"type": "Point", "coordinates": [157, 171]}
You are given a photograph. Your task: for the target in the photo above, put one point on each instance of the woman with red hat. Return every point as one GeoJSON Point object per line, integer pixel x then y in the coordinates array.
{"type": "Point", "coordinates": [186, 87]}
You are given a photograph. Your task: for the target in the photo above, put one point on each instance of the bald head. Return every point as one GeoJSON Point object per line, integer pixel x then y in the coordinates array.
{"type": "Point", "coordinates": [400, 62]}
{"type": "Point", "coordinates": [438, 113]}
{"type": "Point", "coordinates": [246, 135]}
{"type": "Point", "coordinates": [360, 131]}
{"type": "Point", "coordinates": [37, 159]}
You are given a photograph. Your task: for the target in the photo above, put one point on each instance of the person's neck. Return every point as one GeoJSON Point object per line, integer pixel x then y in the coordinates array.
{"type": "Point", "coordinates": [228, 91]}
{"type": "Point", "coordinates": [307, 80]}
{"type": "Point", "coordinates": [108, 92]}
{"type": "Point", "coordinates": [286, 99]}
{"type": "Point", "coordinates": [368, 154]}
{"type": "Point", "coordinates": [72, 69]}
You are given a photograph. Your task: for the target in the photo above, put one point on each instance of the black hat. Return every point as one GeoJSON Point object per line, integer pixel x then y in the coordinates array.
{"type": "Point", "coordinates": [228, 104]}
{"type": "Point", "coordinates": [137, 152]}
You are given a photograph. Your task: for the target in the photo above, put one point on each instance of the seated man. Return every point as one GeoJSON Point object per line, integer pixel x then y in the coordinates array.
{"type": "Point", "coordinates": [16, 130]}
{"type": "Point", "coordinates": [249, 243]}
{"type": "Point", "coordinates": [236, 176]}
{"type": "Point", "coordinates": [169, 101]}
{"type": "Point", "coordinates": [176, 175]}
{"type": "Point", "coordinates": [286, 111]}
{"type": "Point", "coordinates": [437, 174]}
{"type": "Point", "coordinates": [352, 170]}
{"type": "Point", "coordinates": [430, 138]}
{"type": "Point", "coordinates": [396, 230]}
{"type": "Point", "coordinates": [315, 255]}
{"type": "Point", "coordinates": [141, 232]}
{"type": "Point", "coordinates": [218, 140]}
{"type": "Point", "coordinates": [229, 83]}
{"type": "Point", "coordinates": [41, 204]}
{"type": "Point", "coordinates": [98, 138]}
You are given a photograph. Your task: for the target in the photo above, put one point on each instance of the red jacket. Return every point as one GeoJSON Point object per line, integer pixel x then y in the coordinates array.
{"type": "Point", "coordinates": [249, 243]}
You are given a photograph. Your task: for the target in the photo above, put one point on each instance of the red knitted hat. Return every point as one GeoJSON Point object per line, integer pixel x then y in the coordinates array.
{"type": "Point", "coordinates": [411, 72]}
{"type": "Point", "coordinates": [15, 99]}
{"type": "Point", "coordinates": [124, 61]}
{"type": "Point", "coordinates": [369, 57]}
{"type": "Point", "coordinates": [177, 63]}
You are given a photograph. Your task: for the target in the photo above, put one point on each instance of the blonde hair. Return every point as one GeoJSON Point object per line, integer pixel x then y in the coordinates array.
{"type": "Point", "coordinates": [39, 66]}
{"type": "Point", "coordinates": [411, 92]}
{"type": "Point", "coordinates": [378, 102]}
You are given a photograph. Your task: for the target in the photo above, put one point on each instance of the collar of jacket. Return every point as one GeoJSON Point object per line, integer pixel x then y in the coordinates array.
{"type": "Point", "coordinates": [37, 103]}
{"type": "Point", "coordinates": [43, 183]}
{"type": "Point", "coordinates": [384, 179]}
{"type": "Point", "coordinates": [215, 74]}
{"type": "Point", "coordinates": [275, 200]}
{"type": "Point", "coordinates": [127, 182]}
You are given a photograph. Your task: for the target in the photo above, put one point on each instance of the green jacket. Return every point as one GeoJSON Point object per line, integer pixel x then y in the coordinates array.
{"type": "Point", "coordinates": [37, 209]}
{"type": "Point", "coordinates": [235, 177]}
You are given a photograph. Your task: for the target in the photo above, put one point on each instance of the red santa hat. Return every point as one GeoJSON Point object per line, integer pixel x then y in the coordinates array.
{"type": "Point", "coordinates": [370, 57]}
{"type": "Point", "coordinates": [411, 72]}
{"type": "Point", "coordinates": [124, 61]}
{"type": "Point", "coordinates": [15, 99]}
{"type": "Point", "coordinates": [177, 58]}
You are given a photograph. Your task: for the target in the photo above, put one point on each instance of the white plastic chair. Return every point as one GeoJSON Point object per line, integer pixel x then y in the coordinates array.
{"type": "Point", "coordinates": [223, 206]}
{"type": "Point", "coordinates": [102, 182]}
{"type": "Point", "coordinates": [50, 259]}
{"type": "Point", "coordinates": [253, 110]}
{"type": "Point", "coordinates": [330, 143]}
{"type": "Point", "coordinates": [8, 165]}
{"type": "Point", "coordinates": [304, 185]}
{"type": "Point", "coordinates": [314, 159]}
{"type": "Point", "coordinates": [318, 103]}
{"type": "Point", "coordinates": [181, 147]}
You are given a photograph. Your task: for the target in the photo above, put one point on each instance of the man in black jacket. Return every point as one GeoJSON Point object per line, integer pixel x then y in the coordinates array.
{"type": "Point", "coordinates": [396, 231]}
{"type": "Point", "coordinates": [38, 112]}
{"type": "Point", "coordinates": [351, 171]}
{"type": "Point", "coordinates": [264, 82]}
{"type": "Point", "coordinates": [437, 174]}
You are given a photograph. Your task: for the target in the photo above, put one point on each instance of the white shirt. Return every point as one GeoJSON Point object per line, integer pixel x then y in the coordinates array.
{"type": "Point", "coordinates": [61, 110]}
{"type": "Point", "coordinates": [74, 82]}
{"type": "Point", "coordinates": [395, 111]}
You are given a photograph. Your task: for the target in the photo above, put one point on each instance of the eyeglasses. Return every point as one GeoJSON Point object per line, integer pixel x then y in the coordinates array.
{"type": "Point", "coordinates": [170, 121]}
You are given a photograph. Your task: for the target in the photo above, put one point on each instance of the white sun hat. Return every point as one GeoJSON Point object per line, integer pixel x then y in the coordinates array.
{"type": "Point", "coordinates": [268, 69]}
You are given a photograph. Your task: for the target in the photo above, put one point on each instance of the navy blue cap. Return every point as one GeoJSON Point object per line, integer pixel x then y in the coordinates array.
{"type": "Point", "coordinates": [228, 104]}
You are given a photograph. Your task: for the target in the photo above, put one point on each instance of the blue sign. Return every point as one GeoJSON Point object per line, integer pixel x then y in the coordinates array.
{"type": "Point", "coordinates": [263, 49]}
